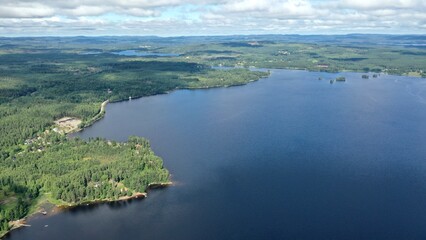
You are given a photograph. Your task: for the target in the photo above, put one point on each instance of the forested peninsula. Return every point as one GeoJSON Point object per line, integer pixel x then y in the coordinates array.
{"type": "Point", "coordinates": [39, 163]}
{"type": "Point", "coordinates": [50, 86]}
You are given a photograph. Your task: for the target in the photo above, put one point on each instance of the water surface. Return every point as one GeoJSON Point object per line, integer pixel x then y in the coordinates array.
{"type": "Point", "coordinates": [144, 54]}
{"type": "Point", "coordinates": [288, 157]}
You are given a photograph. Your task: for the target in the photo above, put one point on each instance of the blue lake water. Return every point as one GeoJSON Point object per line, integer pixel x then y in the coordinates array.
{"type": "Point", "coordinates": [145, 54]}
{"type": "Point", "coordinates": [287, 157]}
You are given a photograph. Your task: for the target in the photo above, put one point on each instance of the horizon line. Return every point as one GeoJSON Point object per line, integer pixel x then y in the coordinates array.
{"type": "Point", "coordinates": [220, 35]}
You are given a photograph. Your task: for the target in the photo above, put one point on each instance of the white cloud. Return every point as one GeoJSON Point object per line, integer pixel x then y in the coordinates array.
{"type": "Point", "coordinates": [275, 7]}
{"type": "Point", "coordinates": [382, 4]}
{"type": "Point", "coordinates": [25, 10]}
{"type": "Point", "coordinates": [189, 17]}
{"type": "Point", "coordinates": [86, 11]}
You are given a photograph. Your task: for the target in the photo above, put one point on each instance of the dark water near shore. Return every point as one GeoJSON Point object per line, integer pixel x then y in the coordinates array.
{"type": "Point", "coordinates": [289, 157]}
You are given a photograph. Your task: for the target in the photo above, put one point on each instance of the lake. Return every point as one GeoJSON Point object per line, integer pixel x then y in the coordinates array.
{"type": "Point", "coordinates": [287, 157]}
{"type": "Point", "coordinates": [144, 54]}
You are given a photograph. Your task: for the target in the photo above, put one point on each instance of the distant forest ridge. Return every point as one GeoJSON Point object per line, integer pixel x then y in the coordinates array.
{"type": "Point", "coordinates": [346, 39]}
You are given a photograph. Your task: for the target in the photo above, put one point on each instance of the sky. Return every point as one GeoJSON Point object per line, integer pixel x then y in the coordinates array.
{"type": "Point", "coordinates": [209, 17]}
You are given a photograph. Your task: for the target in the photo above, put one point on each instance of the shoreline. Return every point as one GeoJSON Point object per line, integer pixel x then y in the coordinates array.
{"type": "Point", "coordinates": [17, 224]}
{"type": "Point", "coordinates": [102, 111]}
{"type": "Point", "coordinates": [22, 222]}
{"type": "Point", "coordinates": [94, 119]}
{"type": "Point", "coordinates": [136, 195]}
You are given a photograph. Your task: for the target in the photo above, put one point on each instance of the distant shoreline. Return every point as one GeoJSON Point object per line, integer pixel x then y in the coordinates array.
{"type": "Point", "coordinates": [102, 111]}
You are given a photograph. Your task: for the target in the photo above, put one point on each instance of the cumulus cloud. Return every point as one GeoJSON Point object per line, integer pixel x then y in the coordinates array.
{"type": "Point", "coordinates": [25, 10]}
{"type": "Point", "coordinates": [382, 4]}
{"type": "Point", "coordinates": [201, 17]}
{"type": "Point", "coordinates": [35, 8]}
{"type": "Point", "coordinates": [290, 7]}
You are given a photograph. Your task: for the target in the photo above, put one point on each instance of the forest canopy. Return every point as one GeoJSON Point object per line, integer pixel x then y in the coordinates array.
{"type": "Point", "coordinates": [48, 78]}
{"type": "Point", "coordinates": [39, 85]}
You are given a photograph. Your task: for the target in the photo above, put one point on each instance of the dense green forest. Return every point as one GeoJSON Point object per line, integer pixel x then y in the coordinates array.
{"type": "Point", "coordinates": [76, 171]}
{"type": "Point", "coordinates": [41, 85]}
{"type": "Point", "coordinates": [314, 57]}
{"type": "Point", "coordinates": [44, 79]}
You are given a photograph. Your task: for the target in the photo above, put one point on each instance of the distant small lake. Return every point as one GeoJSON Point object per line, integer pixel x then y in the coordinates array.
{"type": "Point", "coordinates": [144, 54]}
{"type": "Point", "coordinates": [91, 53]}
{"type": "Point", "coordinates": [287, 157]}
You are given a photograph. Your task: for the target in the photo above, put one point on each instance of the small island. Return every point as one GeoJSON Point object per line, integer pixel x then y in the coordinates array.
{"type": "Point", "coordinates": [340, 79]}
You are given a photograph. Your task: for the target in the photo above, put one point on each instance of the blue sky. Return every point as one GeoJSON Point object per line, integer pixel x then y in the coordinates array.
{"type": "Point", "coordinates": [208, 17]}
